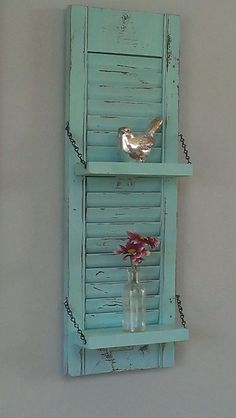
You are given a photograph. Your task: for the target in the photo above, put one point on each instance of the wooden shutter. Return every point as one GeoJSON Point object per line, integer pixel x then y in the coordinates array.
{"type": "Point", "coordinates": [122, 70]}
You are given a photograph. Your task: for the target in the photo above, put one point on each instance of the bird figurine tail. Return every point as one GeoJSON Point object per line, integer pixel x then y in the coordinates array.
{"type": "Point", "coordinates": [154, 126]}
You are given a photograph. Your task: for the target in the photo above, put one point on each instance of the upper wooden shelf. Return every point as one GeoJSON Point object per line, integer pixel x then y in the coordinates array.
{"type": "Point", "coordinates": [116, 337]}
{"type": "Point", "coordinates": [134, 169]}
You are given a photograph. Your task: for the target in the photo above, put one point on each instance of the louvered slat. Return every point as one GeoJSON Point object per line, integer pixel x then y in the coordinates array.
{"type": "Point", "coordinates": [142, 199]}
{"type": "Point", "coordinates": [102, 305]}
{"type": "Point", "coordinates": [119, 274]}
{"type": "Point", "coordinates": [123, 184]}
{"type": "Point", "coordinates": [110, 260]}
{"type": "Point", "coordinates": [104, 290]}
{"type": "Point", "coordinates": [106, 139]}
{"type": "Point", "coordinates": [126, 214]}
{"type": "Point", "coordinates": [114, 319]}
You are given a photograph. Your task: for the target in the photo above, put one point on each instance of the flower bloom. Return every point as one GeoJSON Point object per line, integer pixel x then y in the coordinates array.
{"type": "Point", "coordinates": [152, 242]}
{"type": "Point", "coordinates": [137, 247]}
{"type": "Point", "coordinates": [136, 252]}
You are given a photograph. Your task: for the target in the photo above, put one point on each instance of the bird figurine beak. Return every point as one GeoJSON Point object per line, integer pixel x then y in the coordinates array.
{"type": "Point", "coordinates": [138, 147]}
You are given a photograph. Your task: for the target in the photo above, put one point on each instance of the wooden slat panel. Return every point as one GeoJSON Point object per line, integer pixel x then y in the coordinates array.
{"type": "Point", "coordinates": [120, 61]}
{"type": "Point", "coordinates": [126, 214]}
{"type": "Point", "coordinates": [115, 260]}
{"type": "Point", "coordinates": [119, 274]}
{"type": "Point", "coordinates": [115, 319]}
{"type": "Point", "coordinates": [123, 199]}
{"type": "Point", "coordinates": [103, 245]}
{"type": "Point", "coordinates": [109, 91]}
{"type": "Point", "coordinates": [124, 183]}
{"type": "Point", "coordinates": [119, 107]}
{"type": "Point", "coordinates": [140, 78]}
{"type": "Point", "coordinates": [114, 154]}
{"type": "Point", "coordinates": [115, 304]}
{"type": "Point", "coordinates": [109, 139]}
{"type": "Point", "coordinates": [98, 230]}
{"type": "Point", "coordinates": [113, 123]}
{"type": "Point", "coordinates": [116, 31]}
{"type": "Point", "coordinates": [104, 290]}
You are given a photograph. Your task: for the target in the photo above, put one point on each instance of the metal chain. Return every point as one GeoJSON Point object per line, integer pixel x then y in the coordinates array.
{"type": "Point", "coordinates": [74, 145]}
{"type": "Point", "coordinates": [73, 320]}
{"type": "Point", "coordinates": [181, 311]}
{"type": "Point", "coordinates": [185, 149]}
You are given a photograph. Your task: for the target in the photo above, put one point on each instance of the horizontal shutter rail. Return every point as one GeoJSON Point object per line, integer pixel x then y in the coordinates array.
{"type": "Point", "coordinates": [97, 230]}
{"type": "Point", "coordinates": [124, 184]}
{"type": "Point", "coordinates": [125, 77]}
{"type": "Point", "coordinates": [109, 139]}
{"type": "Point", "coordinates": [110, 289]}
{"type": "Point", "coordinates": [110, 320]}
{"type": "Point", "coordinates": [115, 304]}
{"type": "Point", "coordinates": [98, 153]}
{"type": "Point", "coordinates": [119, 274]}
{"type": "Point", "coordinates": [127, 214]}
{"type": "Point", "coordinates": [103, 245]}
{"type": "Point", "coordinates": [108, 91]}
{"type": "Point", "coordinates": [114, 260]}
{"type": "Point", "coordinates": [123, 108]}
{"type": "Point", "coordinates": [123, 199]}
{"type": "Point", "coordinates": [113, 123]}
{"type": "Point", "coordinates": [124, 61]}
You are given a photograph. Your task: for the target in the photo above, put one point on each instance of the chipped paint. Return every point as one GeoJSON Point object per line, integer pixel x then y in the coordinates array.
{"type": "Point", "coordinates": [108, 356]}
{"type": "Point", "coordinates": [169, 51]}
{"type": "Point", "coordinates": [125, 18]}
{"type": "Point", "coordinates": [143, 348]}
{"type": "Point", "coordinates": [99, 272]}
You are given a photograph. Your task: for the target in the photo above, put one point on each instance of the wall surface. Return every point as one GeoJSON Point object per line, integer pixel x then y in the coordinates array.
{"type": "Point", "coordinates": [32, 385]}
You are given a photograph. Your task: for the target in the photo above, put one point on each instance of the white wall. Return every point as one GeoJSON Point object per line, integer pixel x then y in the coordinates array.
{"type": "Point", "coordinates": [203, 382]}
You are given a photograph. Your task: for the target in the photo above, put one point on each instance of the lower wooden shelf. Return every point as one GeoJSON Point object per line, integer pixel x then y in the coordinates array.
{"type": "Point", "coordinates": [116, 337]}
{"type": "Point", "coordinates": [133, 168]}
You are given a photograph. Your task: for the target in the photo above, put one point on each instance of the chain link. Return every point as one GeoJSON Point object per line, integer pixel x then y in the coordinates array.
{"type": "Point", "coordinates": [181, 311]}
{"type": "Point", "coordinates": [73, 320]}
{"type": "Point", "coordinates": [185, 149]}
{"type": "Point", "coordinates": [74, 145]}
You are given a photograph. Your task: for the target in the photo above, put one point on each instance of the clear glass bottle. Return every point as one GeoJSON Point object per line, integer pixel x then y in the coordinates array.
{"type": "Point", "coordinates": [134, 309]}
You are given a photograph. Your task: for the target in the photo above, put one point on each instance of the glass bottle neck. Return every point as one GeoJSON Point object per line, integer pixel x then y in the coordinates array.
{"type": "Point", "coordinates": [133, 274]}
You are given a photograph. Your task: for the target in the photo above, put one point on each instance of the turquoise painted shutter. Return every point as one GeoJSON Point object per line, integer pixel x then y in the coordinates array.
{"type": "Point", "coordinates": [122, 70]}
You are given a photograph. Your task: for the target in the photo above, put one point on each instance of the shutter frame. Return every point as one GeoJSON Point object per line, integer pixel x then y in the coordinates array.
{"type": "Point", "coordinates": [79, 359]}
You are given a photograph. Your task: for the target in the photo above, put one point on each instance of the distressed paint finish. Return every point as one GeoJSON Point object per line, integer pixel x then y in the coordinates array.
{"type": "Point", "coordinates": [125, 32]}
{"type": "Point", "coordinates": [120, 72]}
{"type": "Point", "coordinates": [75, 185]}
{"type": "Point", "coordinates": [170, 155]}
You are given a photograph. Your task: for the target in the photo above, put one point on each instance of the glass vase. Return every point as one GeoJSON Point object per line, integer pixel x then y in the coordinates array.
{"type": "Point", "coordinates": [134, 309]}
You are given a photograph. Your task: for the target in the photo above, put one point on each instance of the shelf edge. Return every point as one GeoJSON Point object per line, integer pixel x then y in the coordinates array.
{"type": "Point", "coordinates": [135, 169]}
{"type": "Point", "coordinates": [115, 337]}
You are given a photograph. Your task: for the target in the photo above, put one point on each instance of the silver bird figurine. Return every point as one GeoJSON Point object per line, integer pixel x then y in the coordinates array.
{"type": "Point", "coordinates": [138, 147]}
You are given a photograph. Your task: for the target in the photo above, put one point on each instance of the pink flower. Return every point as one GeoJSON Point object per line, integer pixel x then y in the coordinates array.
{"type": "Point", "coordinates": [137, 247]}
{"type": "Point", "coordinates": [152, 242]}
{"type": "Point", "coordinates": [134, 237]}
{"type": "Point", "coordinates": [136, 251]}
